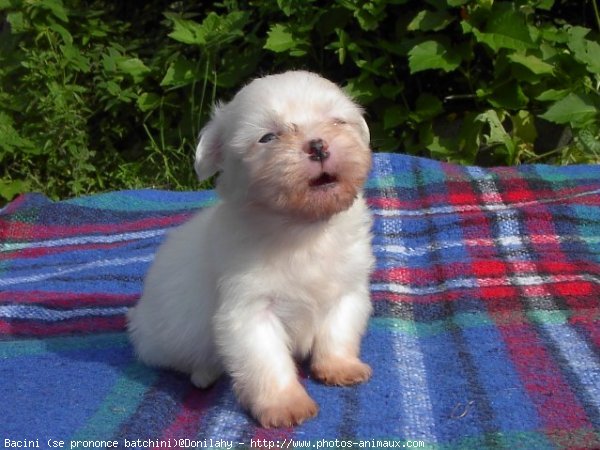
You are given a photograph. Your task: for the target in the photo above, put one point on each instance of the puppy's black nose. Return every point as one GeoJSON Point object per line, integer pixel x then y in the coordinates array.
{"type": "Point", "coordinates": [317, 149]}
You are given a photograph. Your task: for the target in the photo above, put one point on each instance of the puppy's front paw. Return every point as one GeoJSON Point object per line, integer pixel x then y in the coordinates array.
{"type": "Point", "coordinates": [341, 371]}
{"type": "Point", "coordinates": [288, 408]}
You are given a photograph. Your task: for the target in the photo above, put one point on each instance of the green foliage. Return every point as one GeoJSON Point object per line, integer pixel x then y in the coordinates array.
{"type": "Point", "coordinates": [100, 96]}
{"type": "Point", "coordinates": [468, 81]}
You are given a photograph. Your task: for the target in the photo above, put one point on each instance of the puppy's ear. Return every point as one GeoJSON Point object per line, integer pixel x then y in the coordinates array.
{"type": "Point", "coordinates": [209, 150]}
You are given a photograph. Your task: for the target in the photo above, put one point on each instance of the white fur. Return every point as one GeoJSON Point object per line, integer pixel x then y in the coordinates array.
{"type": "Point", "coordinates": [246, 287]}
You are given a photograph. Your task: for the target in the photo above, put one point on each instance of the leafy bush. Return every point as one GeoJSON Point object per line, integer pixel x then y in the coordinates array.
{"type": "Point", "coordinates": [100, 96]}
{"type": "Point", "coordinates": [460, 80]}
{"type": "Point", "coordinates": [73, 106]}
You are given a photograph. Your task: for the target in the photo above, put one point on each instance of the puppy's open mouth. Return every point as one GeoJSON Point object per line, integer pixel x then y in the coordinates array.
{"type": "Point", "coordinates": [323, 181]}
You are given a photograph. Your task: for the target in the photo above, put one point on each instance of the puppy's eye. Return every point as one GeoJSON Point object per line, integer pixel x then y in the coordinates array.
{"type": "Point", "coordinates": [267, 138]}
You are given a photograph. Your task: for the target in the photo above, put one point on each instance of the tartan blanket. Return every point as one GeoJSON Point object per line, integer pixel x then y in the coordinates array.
{"type": "Point", "coordinates": [486, 330]}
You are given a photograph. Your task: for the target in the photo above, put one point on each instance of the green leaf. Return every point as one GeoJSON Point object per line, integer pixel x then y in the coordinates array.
{"type": "Point", "coordinates": [552, 95]}
{"type": "Point", "coordinates": [524, 126]}
{"type": "Point", "coordinates": [590, 138]}
{"type": "Point", "coordinates": [287, 6]}
{"type": "Point", "coordinates": [10, 188]}
{"type": "Point", "coordinates": [56, 7]}
{"type": "Point", "coordinates": [394, 116]}
{"type": "Point", "coordinates": [180, 73]}
{"type": "Point", "coordinates": [376, 67]}
{"type": "Point", "coordinates": [575, 109]}
{"type": "Point", "coordinates": [508, 96]}
{"type": "Point", "coordinates": [430, 21]}
{"type": "Point", "coordinates": [369, 14]}
{"type": "Point", "coordinates": [111, 59]}
{"type": "Point", "coordinates": [11, 140]}
{"type": "Point", "coordinates": [75, 58]}
{"type": "Point", "coordinates": [533, 63]}
{"type": "Point", "coordinates": [469, 137]}
{"type": "Point", "coordinates": [113, 88]}
{"type": "Point", "coordinates": [148, 101]}
{"type": "Point", "coordinates": [220, 30]}
{"type": "Point", "coordinates": [297, 52]}
{"type": "Point", "coordinates": [17, 21]}
{"type": "Point", "coordinates": [576, 38]}
{"type": "Point", "coordinates": [280, 39]}
{"type": "Point", "coordinates": [545, 4]}
{"type": "Point", "coordinates": [432, 55]}
{"type": "Point", "coordinates": [186, 31]}
{"type": "Point", "coordinates": [363, 90]}
{"type": "Point", "coordinates": [391, 90]}
{"type": "Point", "coordinates": [63, 32]}
{"type": "Point", "coordinates": [437, 145]}
{"type": "Point", "coordinates": [135, 68]}
{"type": "Point", "coordinates": [427, 107]}
{"type": "Point", "coordinates": [486, 4]}
{"type": "Point", "coordinates": [584, 50]}
{"type": "Point", "coordinates": [507, 28]}
{"type": "Point", "coordinates": [497, 134]}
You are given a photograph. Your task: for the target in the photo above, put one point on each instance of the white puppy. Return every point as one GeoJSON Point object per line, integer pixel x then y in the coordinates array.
{"type": "Point", "coordinates": [279, 269]}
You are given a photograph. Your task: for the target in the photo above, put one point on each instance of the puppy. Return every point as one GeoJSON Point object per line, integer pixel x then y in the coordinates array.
{"type": "Point", "coordinates": [279, 269]}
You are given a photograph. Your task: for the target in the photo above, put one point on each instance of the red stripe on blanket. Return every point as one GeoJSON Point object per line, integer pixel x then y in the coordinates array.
{"type": "Point", "coordinates": [86, 325]}
{"type": "Point", "coordinates": [556, 404]}
{"type": "Point", "coordinates": [465, 200]}
{"type": "Point", "coordinates": [194, 406]}
{"type": "Point", "coordinates": [12, 231]}
{"type": "Point", "coordinates": [67, 299]}
{"type": "Point", "coordinates": [447, 296]}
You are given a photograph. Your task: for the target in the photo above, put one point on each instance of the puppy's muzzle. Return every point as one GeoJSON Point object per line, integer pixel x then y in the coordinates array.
{"type": "Point", "coordinates": [317, 150]}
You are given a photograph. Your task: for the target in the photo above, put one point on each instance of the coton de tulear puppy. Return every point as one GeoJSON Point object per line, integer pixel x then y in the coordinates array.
{"type": "Point", "coordinates": [279, 269]}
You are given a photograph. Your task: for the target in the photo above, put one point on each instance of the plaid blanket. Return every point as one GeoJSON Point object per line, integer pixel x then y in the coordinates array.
{"type": "Point", "coordinates": [486, 331]}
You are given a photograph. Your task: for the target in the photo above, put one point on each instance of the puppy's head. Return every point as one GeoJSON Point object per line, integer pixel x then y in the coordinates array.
{"type": "Point", "coordinates": [293, 143]}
